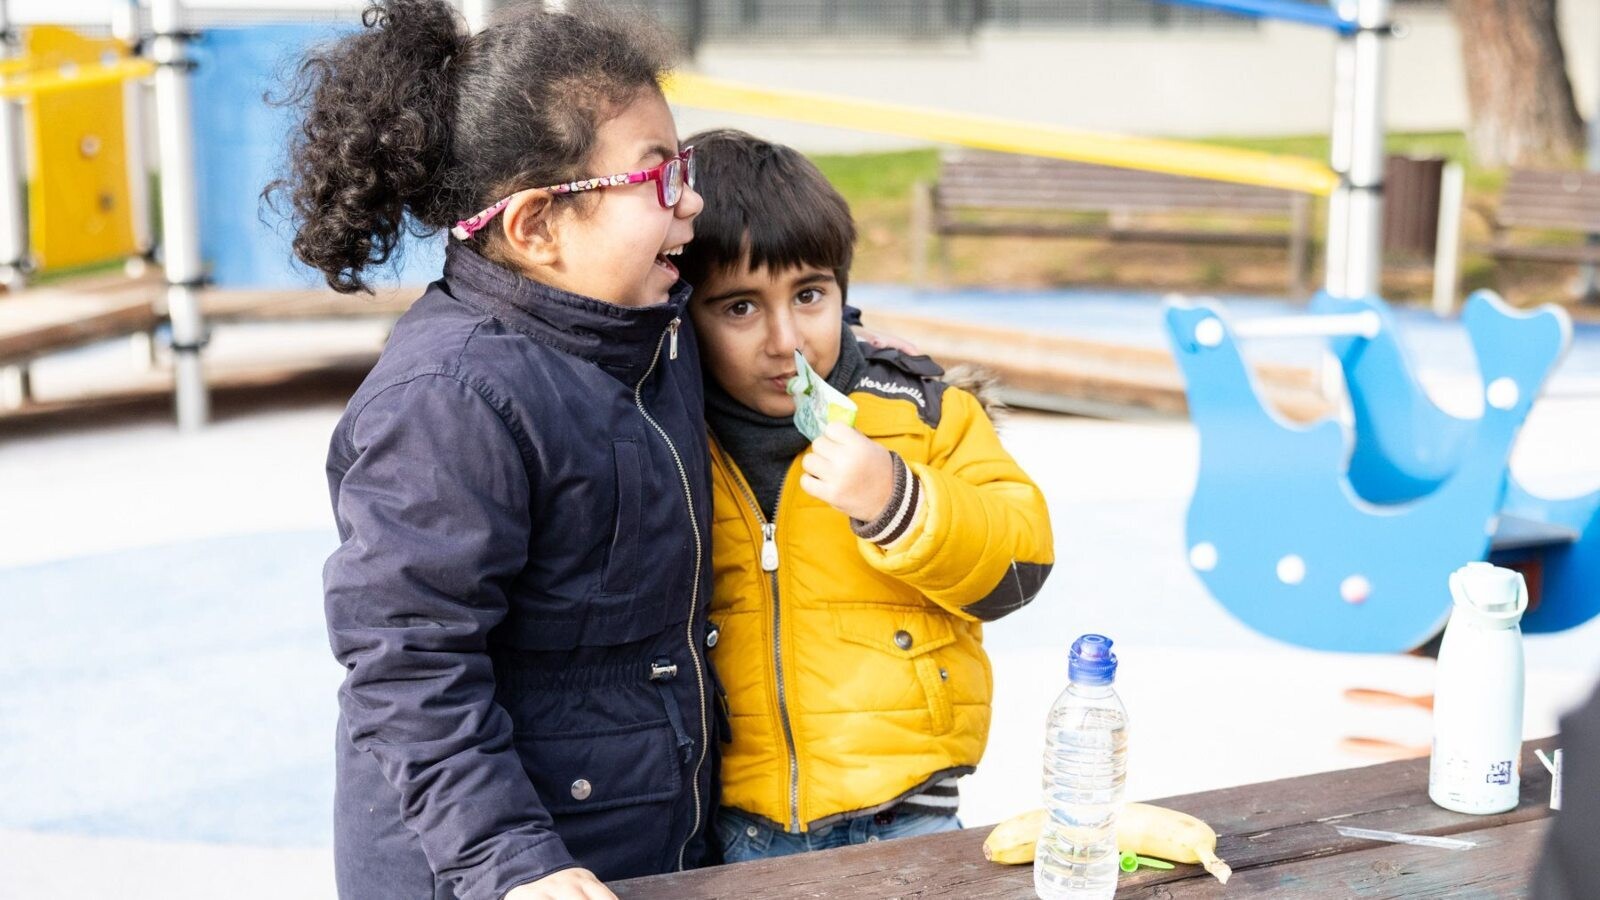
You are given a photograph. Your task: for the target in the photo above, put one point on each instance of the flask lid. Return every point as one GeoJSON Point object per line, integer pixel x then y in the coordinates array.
{"type": "Point", "coordinates": [1091, 660]}
{"type": "Point", "coordinates": [1490, 589]}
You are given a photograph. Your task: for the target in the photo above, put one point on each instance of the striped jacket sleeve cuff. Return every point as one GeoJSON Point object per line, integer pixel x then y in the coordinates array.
{"type": "Point", "coordinates": [898, 513]}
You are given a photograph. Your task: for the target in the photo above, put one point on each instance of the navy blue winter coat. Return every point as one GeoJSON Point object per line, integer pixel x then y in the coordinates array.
{"type": "Point", "coordinates": [519, 595]}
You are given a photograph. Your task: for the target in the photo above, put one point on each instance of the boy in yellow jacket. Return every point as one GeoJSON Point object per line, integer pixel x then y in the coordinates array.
{"type": "Point", "coordinates": [851, 575]}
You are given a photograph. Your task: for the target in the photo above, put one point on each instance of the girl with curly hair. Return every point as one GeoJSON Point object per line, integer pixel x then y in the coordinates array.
{"type": "Point", "coordinates": [521, 484]}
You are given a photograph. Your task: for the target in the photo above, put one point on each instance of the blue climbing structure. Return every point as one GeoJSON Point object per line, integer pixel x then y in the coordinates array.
{"type": "Point", "coordinates": [240, 132]}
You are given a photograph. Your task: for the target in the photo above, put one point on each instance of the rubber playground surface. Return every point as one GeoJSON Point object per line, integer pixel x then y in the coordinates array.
{"type": "Point", "coordinates": [169, 696]}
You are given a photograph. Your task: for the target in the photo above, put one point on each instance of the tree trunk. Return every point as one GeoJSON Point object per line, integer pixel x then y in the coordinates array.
{"type": "Point", "coordinates": [1521, 101]}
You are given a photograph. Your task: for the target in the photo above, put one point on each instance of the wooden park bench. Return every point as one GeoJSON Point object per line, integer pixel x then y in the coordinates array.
{"type": "Point", "coordinates": [1004, 195]}
{"type": "Point", "coordinates": [1546, 201]}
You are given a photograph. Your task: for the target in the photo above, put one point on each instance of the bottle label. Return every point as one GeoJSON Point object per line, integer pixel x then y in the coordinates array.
{"type": "Point", "coordinates": [1467, 782]}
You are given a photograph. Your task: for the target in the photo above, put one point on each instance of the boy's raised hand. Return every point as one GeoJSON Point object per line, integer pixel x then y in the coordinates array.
{"type": "Point", "coordinates": [848, 471]}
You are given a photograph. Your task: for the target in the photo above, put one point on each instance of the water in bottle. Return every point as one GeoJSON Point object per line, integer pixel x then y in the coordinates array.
{"type": "Point", "coordinates": [1085, 763]}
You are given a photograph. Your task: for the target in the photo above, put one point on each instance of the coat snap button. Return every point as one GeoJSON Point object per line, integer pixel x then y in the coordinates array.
{"type": "Point", "coordinates": [581, 789]}
{"type": "Point", "coordinates": [711, 637]}
{"type": "Point", "coordinates": [902, 639]}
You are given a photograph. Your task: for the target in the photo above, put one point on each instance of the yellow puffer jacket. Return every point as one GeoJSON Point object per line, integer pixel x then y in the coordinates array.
{"type": "Point", "coordinates": [855, 673]}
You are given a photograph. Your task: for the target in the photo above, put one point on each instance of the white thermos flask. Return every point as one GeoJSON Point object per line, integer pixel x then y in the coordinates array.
{"type": "Point", "coordinates": [1477, 695]}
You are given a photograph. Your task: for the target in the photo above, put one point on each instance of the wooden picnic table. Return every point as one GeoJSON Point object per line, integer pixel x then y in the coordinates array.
{"type": "Point", "coordinates": [1278, 836]}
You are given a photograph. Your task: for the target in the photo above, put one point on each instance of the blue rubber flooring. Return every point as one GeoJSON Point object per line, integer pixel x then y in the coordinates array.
{"type": "Point", "coordinates": [180, 692]}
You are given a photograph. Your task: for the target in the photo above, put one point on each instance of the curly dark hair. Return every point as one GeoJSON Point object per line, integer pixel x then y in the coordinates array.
{"type": "Point", "coordinates": [412, 123]}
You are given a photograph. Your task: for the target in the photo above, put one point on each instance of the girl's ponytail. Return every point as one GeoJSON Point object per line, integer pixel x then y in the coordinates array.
{"type": "Point", "coordinates": [413, 117]}
{"type": "Point", "coordinates": [375, 138]}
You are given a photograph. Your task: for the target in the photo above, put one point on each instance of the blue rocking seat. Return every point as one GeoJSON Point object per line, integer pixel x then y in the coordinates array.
{"type": "Point", "coordinates": [1405, 446]}
{"type": "Point", "coordinates": [1343, 539]}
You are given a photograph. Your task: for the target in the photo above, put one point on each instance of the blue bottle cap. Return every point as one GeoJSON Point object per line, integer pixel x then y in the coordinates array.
{"type": "Point", "coordinates": [1091, 660]}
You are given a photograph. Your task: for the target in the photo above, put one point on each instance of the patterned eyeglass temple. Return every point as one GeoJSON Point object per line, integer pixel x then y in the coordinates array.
{"type": "Point", "coordinates": [670, 178]}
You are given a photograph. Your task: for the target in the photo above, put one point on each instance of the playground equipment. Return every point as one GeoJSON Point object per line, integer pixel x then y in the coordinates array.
{"type": "Point", "coordinates": [83, 203]}
{"type": "Point", "coordinates": [1335, 543]}
{"type": "Point", "coordinates": [78, 193]}
{"type": "Point", "coordinates": [219, 144]}
{"type": "Point", "coordinates": [1343, 538]}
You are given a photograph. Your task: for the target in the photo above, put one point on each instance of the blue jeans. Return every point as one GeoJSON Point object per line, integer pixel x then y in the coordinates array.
{"type": "Point", "coordinates": [744, 838]}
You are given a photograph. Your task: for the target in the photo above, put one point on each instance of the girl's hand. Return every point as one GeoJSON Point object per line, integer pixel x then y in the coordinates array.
{"type": "Point", "coordinates": [848, 471]}
{"type": "Point", "coordinates": [891, 341]}
{"type": "Point", "coordinates": [567, 884]}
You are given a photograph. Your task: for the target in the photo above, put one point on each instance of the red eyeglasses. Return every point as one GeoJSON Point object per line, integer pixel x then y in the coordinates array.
{"type": "Point", "coordinates": [670, 177]}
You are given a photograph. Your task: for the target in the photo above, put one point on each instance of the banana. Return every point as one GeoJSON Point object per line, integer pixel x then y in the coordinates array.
{"type": "Point", "coordinates": [1168, 834]}
{"type": "Point", "coordinates": [1141, 828]}
{"type": "Point", "coordinates": [1012, 841]}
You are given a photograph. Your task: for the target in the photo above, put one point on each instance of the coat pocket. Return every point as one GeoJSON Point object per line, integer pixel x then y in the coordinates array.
{"type": "Point", "coordinates": [621, 569]}
{"type": "Point", "coordinates": [601, 770]}
{"type": "Point", "coordinates": [906, 638]}
{"type": "Point", "coordinates": [611, 793]}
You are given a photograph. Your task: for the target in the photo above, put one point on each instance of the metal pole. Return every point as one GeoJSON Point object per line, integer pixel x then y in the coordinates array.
{"type": "Point", "coordinates": [1337, 247]}
{"type": "Point", "coordinates": [127, 27]}
{"type": "Point", "coordinates": [1361, 324]}
{"type": "Point", "coordinates": [1447, 247]}
{"type": "Point", "coordinates": [13, 218]}
{"type": "Point", "coordinates": [180, 212]}
{"type": "Point", "coordinates": [1364, 266]}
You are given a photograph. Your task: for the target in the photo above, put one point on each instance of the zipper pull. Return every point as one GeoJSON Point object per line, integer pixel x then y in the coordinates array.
{"type": "Point", "coordinates": [672, 341]}
{"type": "Point", "coordinates": [769, 547]}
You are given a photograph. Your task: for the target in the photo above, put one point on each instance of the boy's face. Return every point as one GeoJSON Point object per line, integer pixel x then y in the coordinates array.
{"type": "Point", "coordinates": [750, 322]}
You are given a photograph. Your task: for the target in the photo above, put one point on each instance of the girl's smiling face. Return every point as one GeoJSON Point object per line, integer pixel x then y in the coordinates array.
{"type": "Point", "coordinates": [614, 244]}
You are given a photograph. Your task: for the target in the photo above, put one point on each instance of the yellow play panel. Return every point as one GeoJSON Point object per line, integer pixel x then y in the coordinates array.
{"type": "Point", "coordinates": [78, 190]}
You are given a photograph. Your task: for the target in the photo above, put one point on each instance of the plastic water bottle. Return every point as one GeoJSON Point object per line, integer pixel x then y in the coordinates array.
{"type": "Point", "coordinates": [1085, 764]}
{"type": "Point", "coordinates": [1477, 694]}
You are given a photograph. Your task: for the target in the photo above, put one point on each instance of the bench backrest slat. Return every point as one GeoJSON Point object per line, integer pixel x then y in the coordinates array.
{"type": "Point", "coordinates": [1557, 200]}
{"type": "Point", "coordinates": [973, 179]}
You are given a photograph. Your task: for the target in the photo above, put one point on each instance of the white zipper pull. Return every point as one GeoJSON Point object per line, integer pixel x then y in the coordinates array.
{"type": "Point", "coordinates": [672, 341]}
{"type": "Point", "coordinates": [769, 547]}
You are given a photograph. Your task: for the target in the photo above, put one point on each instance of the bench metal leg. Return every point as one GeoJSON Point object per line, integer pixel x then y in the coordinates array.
{"type": "Point", "coordinates": [16, 386]}
{"type": "Point", "coordinates": [921, 231]}
{"type": "Point", "coordinates": [1586, 287]}
{"type": "Point", "coordinates": [143, 344]}
{"type": "Point", "coordinates": [1299, 240]}
{"type": "Point", "coordinates": [1447, 246]}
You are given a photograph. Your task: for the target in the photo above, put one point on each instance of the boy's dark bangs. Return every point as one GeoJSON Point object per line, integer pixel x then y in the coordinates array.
{"type": "Point", "coordinates": [807, 231]}
{"type": "Point", "coordinates": [766, 207]}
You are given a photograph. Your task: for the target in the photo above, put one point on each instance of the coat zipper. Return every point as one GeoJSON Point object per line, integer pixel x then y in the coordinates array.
{"type": "Point", "coordinates": [694, 593]}
{"type": "Point", "coordinates": [769, 564]}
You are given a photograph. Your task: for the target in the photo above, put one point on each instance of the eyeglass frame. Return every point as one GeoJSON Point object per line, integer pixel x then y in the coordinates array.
{"type": "Point", "coordinates": [471, 225]}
